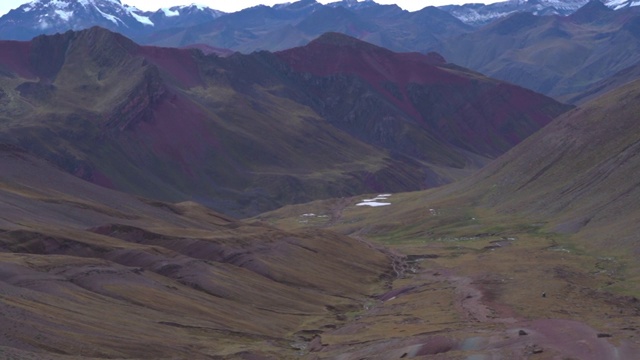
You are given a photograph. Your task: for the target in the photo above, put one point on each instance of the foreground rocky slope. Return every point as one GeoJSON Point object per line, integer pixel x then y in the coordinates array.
{"type": "Point", "coordinates": [90, 272]}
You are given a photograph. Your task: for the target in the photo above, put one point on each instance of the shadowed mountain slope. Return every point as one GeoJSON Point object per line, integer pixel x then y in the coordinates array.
{"type": "Point", "coordinates": [90, 272]}
{"type": "Point", "coordinates": [248, 133]}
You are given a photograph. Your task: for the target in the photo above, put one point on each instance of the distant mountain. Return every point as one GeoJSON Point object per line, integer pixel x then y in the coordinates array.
{"type": "Point", "coordinates": [353, 4]}
{"type": "Point", "coordinates": [289, 25]}
{"type": "Point", "coordinates": [258, 28]}
{"type": "Point", "coordinates": [278, 27]}
{"type": "Point", "coordinates": [477, 14]}
{"type": "Point", "coordinates": [248, 133]}
{"type": "Point", "coordinates": [558, 56]}
{"type": "Point", "coordinates": [56, 16]}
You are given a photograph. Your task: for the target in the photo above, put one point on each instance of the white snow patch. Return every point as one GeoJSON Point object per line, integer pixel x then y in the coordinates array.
{"type": "Point", "coordinates": [373, 204]}
{"type": "Point", "coordinates": [200, 7]}
{"type": "Point", "coordinates": [379, 197]}
{"type": "Point", "coordinates": [141, 19]}
{"type": "Point", "coordinates": [43, 25]}
{"type": "Point", "coordinates": [64, 15]}
{"type": "Point", "coordinates": [59, 4]}
{"type": "Point", "coordinates": [170, 13]}
{"type": "Point", "coordinates": [635, 3]}
{"type": "Point", "coordinates": [616, 4]}
{"type": "Point", "coordinates": [308, 215]}
{"type": "Point", "coordinates": [109, 17]}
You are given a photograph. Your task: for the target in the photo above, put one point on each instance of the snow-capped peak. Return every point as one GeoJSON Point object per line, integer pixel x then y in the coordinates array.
{"type": "Point", "coordinates": [56, 13]}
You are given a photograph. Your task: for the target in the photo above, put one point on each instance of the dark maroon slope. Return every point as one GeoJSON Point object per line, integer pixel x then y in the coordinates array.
{"type": "Point", "coordinates": [464, 108]}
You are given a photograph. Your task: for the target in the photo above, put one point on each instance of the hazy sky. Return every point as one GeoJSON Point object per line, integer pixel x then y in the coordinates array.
{"type": "Point", "coordinates": [229, 6]}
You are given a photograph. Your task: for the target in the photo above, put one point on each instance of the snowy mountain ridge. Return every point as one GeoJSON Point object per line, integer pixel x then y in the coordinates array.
{"type": "Point", "coordinates": [75, 13]}
{"type": "Point", "coordinates": [478, 14]}
{"type": "Point", "coordinates": [51, 16]}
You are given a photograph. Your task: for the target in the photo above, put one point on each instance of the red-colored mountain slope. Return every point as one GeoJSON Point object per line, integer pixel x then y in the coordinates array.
{"type": "Point", "coordinates": [461, 107]}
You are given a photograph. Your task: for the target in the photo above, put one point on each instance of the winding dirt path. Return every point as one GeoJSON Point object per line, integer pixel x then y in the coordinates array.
{"type": "Point", "coordinates": [336, 211]}
{"type": "Point", "coordinates": [483, 328]}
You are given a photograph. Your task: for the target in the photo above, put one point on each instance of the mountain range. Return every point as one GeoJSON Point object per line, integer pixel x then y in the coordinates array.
{"type": "Point", "coordinates": [561, 49]}
{"type": "Point", "coordinates": [558, 56]}
{"type": "Point", "coordinates": [49, 16]}
{"type": "Point", "coordinates": [176, 125]}
{"type": "Point", "coordinates": [90, 272]}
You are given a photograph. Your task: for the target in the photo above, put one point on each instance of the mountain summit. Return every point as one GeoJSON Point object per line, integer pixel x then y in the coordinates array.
{"type": "Point", "coordinates": [61, 15]}
{"type": "Point", "coordinates": [53, 16]}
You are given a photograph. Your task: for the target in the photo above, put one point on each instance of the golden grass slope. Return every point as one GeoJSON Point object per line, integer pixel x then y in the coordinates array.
{"type": "Point", "coordinates": [90, 272]}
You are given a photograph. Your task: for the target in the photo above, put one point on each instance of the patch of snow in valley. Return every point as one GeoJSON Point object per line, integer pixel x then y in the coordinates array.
{"type": "Point", "coordinates": [375, 201]}
{"type": "Point", "coordinates": [373, 204]}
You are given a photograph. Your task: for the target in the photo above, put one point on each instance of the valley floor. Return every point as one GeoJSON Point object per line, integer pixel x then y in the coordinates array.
{"type": "Point", "coordinates": [482, 300]}
{"type": "Point", "coordinates": [508, 294]}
